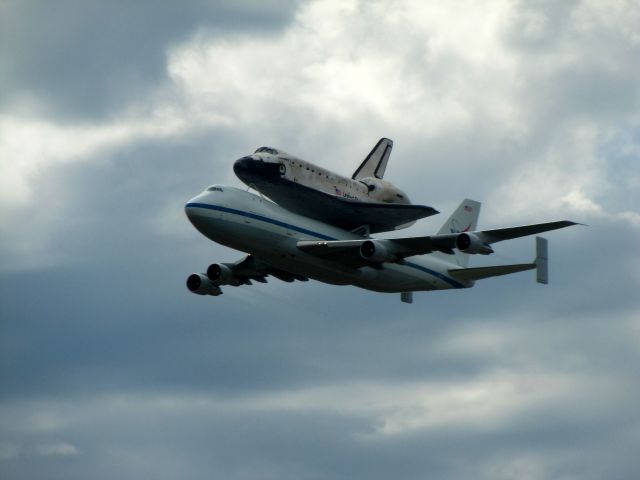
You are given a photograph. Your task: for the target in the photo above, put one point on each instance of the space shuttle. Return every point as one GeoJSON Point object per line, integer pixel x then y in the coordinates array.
{"type": "Point", "coordinates": [364, 201]}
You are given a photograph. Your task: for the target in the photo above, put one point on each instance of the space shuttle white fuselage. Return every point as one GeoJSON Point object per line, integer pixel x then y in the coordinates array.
{"type": "Point", "coordinates": [364, 200]}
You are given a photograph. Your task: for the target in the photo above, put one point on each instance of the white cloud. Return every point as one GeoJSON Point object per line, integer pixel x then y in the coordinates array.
{"type": "Point", "coordinates": [62, 449]}
{"type": "Point", "coordinates": [490, 402]}
{"type": "Point", "coordinates": [29, 147]}
{"type": "Point", "coordinates": [531, 108]}
{"type": "Point", "coordinates": [345, 72]}
{"type": "Point", "coordinates": [429, 76]}
{"type": "Point", "coordinates": [12, 450]}
{"type": "Point", "coordinates": [9, 451]}
{"type": "Point", "coordinates": [354, 65]}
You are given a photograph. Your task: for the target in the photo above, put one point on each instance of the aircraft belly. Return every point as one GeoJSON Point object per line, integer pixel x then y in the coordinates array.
{"type": "Point", "coordinates": [409, 277]}
{"type": "Point", "coordinates": [273, 244]}
{"type": "Point", "coordinates": [391, 279]}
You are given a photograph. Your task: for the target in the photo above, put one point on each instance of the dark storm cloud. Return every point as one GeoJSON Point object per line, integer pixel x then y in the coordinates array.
{"type": "Point", "coordinates": [93, 58]}
{"type": "Point", "coordinates": [109, 367]}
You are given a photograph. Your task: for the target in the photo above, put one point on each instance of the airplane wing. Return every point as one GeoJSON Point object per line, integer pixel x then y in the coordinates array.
{"type": "Point", "coordinates": [242, 272]}
{"type": "Point", "coordinates": [381, 217]}
{"type": "Point", "coordinates": [364, 251]}
{"type": "Point", "coordinates": [345, 213]}
{"type": "Point", "coordinates": [497, 235]}
{"type": "Point", "coordinates": [346, 252]}
{"type": "Point", "coordinates": [252, 268]}
{"type": "Point", "coordinates": [447, 242]}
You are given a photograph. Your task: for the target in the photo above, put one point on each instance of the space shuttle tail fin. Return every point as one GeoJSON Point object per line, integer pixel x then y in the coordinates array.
{"type": "Point", "coordinates": [376, 162]}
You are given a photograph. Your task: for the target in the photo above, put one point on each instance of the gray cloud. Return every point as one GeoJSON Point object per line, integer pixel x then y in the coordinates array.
{"type": "Point", "coordinates": [109, 367]}
{"type": "Point", "coordinates": [95, 58]}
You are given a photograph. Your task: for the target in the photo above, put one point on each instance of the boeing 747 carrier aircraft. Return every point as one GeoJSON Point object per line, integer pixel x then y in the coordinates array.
{"type": "Point", "coordinates": [289, 246]}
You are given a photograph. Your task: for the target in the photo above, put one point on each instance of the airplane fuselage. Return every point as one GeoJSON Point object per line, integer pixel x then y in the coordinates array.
{"type": "Point", "coordinates": [252, 224]}
{"type": "Point", "coordinates": [267, 169]}
{"type": "Point", "coordinates": [364, 200]}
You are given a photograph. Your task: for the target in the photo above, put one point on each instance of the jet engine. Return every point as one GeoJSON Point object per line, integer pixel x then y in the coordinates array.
{"type": "Point", "coordinates": [200, 284]}
{"type": "Point", "coordinates": [220, 274]}
{"type": "Point", "coordinates": [376, 252]}
{"type": "Point", "coordinates": [470, 243]}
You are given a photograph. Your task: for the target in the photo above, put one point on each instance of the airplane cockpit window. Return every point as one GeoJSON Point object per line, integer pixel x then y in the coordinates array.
{"type": "Point", "coordinates": [214, 188]}
{"type": "Point", "coordinates": [270, 150]}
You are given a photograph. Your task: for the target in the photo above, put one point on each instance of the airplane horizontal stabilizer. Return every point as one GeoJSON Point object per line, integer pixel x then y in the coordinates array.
{"type": "Point", "coordinates": [478, 273]}
{"type": "Point", "coordinates": [540, 264]}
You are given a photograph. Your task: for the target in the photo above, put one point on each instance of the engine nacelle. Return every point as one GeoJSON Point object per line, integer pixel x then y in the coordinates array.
{"type": "Point", "coordinates": [200, 284]}
{"type": "Point", "coordinates": [470, 243]}
{"type": "Point", "coordinates": [374, 251]}
{"type": "Point", "coordinates": [220, 274]}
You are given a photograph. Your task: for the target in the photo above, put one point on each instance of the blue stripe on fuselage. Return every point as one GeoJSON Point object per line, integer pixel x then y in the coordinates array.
{"type": "Point", "coordinates": [259, 217]}
{"type": "Point", "coordinates": [262, 218]}
{"type": "Point", "coordinates": [439, 275]}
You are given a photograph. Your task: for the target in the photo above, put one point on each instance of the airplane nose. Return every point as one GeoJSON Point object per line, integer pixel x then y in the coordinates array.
{"type": "Point", "coordinates": [189, 209]}
{"type": "Point", "coordinates": [196, 215]}
{"type": "Point", "coordinates": [192, 208]}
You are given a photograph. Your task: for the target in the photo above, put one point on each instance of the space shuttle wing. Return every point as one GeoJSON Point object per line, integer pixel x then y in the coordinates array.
{"type": "Point", "coordinates": [383, 216]}
{"type": "Point", "coordinates": [346, 213]}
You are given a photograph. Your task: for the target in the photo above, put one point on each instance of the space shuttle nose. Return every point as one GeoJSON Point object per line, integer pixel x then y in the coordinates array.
{"type": "Point", "coordinates": [243, 165]}
{"type": "Point", "coordinates": [250, 169]}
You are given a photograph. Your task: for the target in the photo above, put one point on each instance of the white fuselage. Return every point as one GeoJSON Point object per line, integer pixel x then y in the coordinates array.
{"type": "Point", "coordinates": [254, 169]}
{"type": "Point", "coordinates": [249, 223]}
{"type": "Point", "coordinates": [366, 190]}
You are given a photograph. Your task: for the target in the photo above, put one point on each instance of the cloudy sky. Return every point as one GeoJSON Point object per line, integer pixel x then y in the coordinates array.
{"type": "Point", "coordinates": [114, 113]}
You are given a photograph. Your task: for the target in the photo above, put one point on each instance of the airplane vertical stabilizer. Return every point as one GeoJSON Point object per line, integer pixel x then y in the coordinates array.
{"type": "Point", "coordinates": [464, 219]}
{"type": "Point", "coordinates": [376, 162]}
